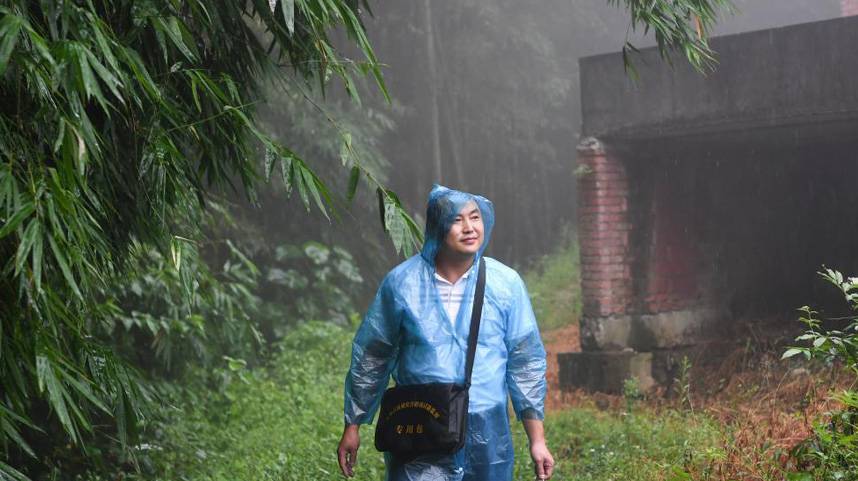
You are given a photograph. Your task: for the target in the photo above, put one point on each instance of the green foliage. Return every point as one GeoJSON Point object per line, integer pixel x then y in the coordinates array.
{"type": "Point", "coordinates": [307, 283]}
{"type": "Point", "coordinates": [839, 345]}
{"type": "Point", "coordinates": [284, 422]}
{"type": "Point", "coordinates": [632, 393]}
{"type": "Point", "coordinates": [677, 25]}
{"type": "Point", "coordinates": [832, 452]}
{"type": "Point", "coordinates": [554, 285]}
{"type": "Point", "coordinates": [174, 312]}
{"type": "Point", "coordinates": [682, 384]}
{"type": "Point", "coordinates": [596, 445]}
{"type": "Point", "coordinates": [117, 118]}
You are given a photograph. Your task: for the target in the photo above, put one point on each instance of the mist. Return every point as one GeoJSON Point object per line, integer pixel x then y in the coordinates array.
{"type": "Point", "coordinates": [486, 98]}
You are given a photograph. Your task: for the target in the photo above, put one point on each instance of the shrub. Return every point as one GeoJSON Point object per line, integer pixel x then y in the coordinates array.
{"type": "Point", "coordinates": [280, 422]}
{"type": "Point", "coordinates": [832, 453]}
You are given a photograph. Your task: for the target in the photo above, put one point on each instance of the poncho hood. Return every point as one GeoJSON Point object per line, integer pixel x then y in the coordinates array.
{"type": "Point", "coordinates": [441, 210]}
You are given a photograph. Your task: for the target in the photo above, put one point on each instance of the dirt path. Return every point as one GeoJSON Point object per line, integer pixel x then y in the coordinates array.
{"type": "Point", "coordinates": [564, 339]}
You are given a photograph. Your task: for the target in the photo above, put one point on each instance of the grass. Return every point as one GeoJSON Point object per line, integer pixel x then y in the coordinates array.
{"type": "Point", "coordinates": [283, 422]}
{"type": "Point", "coordinates": [554, 286]}
{"type": "Point", "coordinates": [590, 444]}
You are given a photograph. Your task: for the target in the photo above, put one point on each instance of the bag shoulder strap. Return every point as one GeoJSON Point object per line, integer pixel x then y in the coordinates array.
{"type": "Point", "coordinates": [476, 314]}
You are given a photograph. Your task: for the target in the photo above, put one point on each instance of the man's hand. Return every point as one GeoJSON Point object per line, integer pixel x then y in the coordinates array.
{"type": "Point", "coordinates": [543, 462]}
{"type": "Point", "coordinates": [347, 452]}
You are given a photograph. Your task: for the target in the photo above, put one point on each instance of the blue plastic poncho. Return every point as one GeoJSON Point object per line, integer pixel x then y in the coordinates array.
{"type": "Point", "coordinates": [407, 334]}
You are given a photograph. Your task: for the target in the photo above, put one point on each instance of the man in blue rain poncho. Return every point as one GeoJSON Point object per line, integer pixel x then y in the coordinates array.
{"type": "Point", "coordinates": [417, 331]}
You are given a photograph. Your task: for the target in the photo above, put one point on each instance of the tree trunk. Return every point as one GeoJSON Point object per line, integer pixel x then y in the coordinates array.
{"type": "Point", "coordinates": [433, 91]}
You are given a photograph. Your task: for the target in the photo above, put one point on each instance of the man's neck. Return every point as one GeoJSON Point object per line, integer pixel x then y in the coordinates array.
{"type": "Point", "coordinates": [452, 267]}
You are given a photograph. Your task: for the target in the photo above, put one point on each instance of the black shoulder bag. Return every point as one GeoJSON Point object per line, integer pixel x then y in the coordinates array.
{"type": "Point", "coordinates": [430, 418]}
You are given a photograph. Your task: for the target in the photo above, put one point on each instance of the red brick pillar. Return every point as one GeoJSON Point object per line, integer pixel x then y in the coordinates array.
{"type": "Point", "coordinates": [603, 232]}
{"type": "Point", "coordinates": [848, 8]}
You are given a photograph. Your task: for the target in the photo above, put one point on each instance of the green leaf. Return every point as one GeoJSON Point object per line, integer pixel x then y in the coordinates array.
{"type": "Point", "coordinates": [286, 170]}
{"type": "Point", "coordinates": [315, 187]}
{"type": "Point", "coordinates": [10, 27]}
{"type": "Point", "coordinates": [37, 262]}
{"type": "Point", "coordinates": [270, 162]}
{"type": "Point", "coordinates": [287, 7]}
{"type": "Point", "coordinates": [396, 229]}
{"type": "Point", "coordinates": [354, 180]}
{"type": "Point", "coordinates": [300, 183]}
{"type": "Point", "coordinates": [22, 213]}
{"type": "Point", "coordinates": [176, 253]}
{"type": "Point", "coordinates": [346, 148]}
{"type": "Point", "coordinates": [28, 239]}
{"type": "Point", "coordinates": [86, 77]}
{"type": "Point", "coordinates": [381, 203]}
{"type": "Point", "coordinates": [15, 436]}
{"type": "Point", "coordinates": [175, 31]}
{"type": "Point", "coordinates": [792, 352]}
{"type": "Point", "coordinates": [56, 393]}
{"type": "Point", "coordinates": [235, 365]}
{"type": "Point", "coordinates": [106, 76]}
{"type": "Point", "coordinates": [8, 473]}
{"type": "Point", "coordinates": [64, 267]}
{"type": "Point", "coordinates": [799, 477]}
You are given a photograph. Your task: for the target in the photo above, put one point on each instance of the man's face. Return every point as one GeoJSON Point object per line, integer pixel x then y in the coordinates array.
{"type": "Point", "coordinates": [466, 234]}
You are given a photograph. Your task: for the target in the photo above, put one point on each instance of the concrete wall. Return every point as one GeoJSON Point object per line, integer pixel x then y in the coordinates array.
{"type": "Point", "coordinates": [764, 79]}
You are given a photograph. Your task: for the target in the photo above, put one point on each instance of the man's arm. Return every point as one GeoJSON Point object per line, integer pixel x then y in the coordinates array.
{"type": "Point", "coordinates": [526, 376]}
{"type": "Point", "coordinates": [348, 449]}
{"type": "Point", "coordinates": [526, 365]}
{"type": "Point", "coordinates": [374, 353]}
{"type": "Point", "coordinates": [543, 462]}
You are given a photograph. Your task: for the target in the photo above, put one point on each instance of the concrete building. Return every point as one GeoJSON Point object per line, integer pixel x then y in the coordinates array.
{"type": "Point", "coordinates": [708, 201]}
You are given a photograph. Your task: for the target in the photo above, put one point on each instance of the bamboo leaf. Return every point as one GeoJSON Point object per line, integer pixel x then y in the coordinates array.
{"type": "Point", "coordinates": [270, 162]}
{"type": "Point", "coordinates": [300, 183]}
{"type": "Point", "coordinates": [37, 261]}
{"type": "Point", "coordinates": [287, 7]}
{"type": "Point", "coordinates": [48, 381]}
{"type": "Point", "coordinates": [15, 436]}
{"type": "Point", "coordinates": [13, 222]}
{"type": "Point", "coordinates": [393, 221]}
{"type": "Point", "coordinates": [287, 172]}
{"type": "Point", "coordinates": [10, 28]}
{"type": "Point", "coordinates": [86, 77]}
{"type": "Point", "coordinates": [354, 180]}
{"type": "Point", "coordinates": [82, 389]}
{"type": "Point", "coordinates": [28, 238]}
{"type": "Point", "coordinates": [381, 196]}
{"type": "Point", "coordinates": [174, 30]}
{"type": "Point", "coordinates": [315, 186]}
{"type": "Point", "coordinates": [346, 148]}
{"type": "Point", "coordinates": [106, 76]}
{"type": "Point", "coordinates": [64, 266]}
{"type": "Point", "coordinates": [8, 473]}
